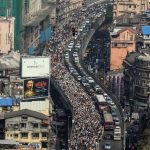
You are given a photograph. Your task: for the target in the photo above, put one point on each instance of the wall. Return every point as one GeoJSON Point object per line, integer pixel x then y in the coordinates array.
{"type": "Point", "coordinates": [6, 35]}
{"type": "Point", "coordinates": [118, 53]}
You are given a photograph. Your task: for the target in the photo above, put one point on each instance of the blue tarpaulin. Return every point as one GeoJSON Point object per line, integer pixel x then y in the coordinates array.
{"type": "Point", "coordinates": [8, 101]}
{"type": "Point", "coordinates": [146, 30]}
{"type": "Point", "coordinates": [45, 34]}
{"type": "Point", "coordinates": [31, 50]}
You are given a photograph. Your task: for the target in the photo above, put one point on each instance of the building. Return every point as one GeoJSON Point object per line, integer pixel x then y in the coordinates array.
{"type": "Point", "coordinates": [123, 41]}
{"type": "Point", "coordinates": [131, 7]}
{"type": "Point", "coordinates": [13, 8]}
{"type": "Point", "coordinates": [36, 22]}
{"type": "Point", "coordinates": [26, 127]}
{"type": "Point", "coordinates": [6, 34]}
{"type": "Point", "coordinates": [145, 35]}
{"type": "Point", "coordinates": [137, 79]}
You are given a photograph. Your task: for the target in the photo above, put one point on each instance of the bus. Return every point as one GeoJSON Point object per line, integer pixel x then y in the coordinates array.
{"type": "Point", "coordinates": [108, 121]}
{"type": "Point", "coordinates": [102, 103]}
{"type": "Point", "coordinates": [117, 134]}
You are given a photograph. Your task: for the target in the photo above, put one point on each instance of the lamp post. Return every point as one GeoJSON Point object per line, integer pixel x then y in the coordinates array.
{"type": "Point", "coordinates": [68, 127]}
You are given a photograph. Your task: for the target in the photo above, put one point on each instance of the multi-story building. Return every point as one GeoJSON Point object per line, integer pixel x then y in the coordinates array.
{"type": "Point", "coordinates": [123, 41]}
{"type": "Point", "coordinates": [36, 21]}
{"type": "Point", "coordinates": [26, 126]}
{"type": "Point", "coordinates": [6, 34]}
{"type": "Point", "coordinates": [13, 8]}
{"type": "Point", "coordinates": [131, 7]}
{"type": "Point", "coordinates": [137, 79]}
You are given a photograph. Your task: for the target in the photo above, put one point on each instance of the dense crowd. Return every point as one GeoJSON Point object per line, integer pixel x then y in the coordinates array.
{"type": "Point", "coordinates": [86, 130]}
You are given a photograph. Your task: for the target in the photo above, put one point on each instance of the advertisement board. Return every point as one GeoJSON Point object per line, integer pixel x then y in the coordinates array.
{"type": "Point", "coordinates": [35, 67]}
{"type": "Point", "coordinates": [36, 88]}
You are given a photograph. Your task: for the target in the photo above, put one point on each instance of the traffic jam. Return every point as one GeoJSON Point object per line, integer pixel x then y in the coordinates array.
{"type": "Point", "coordinates": [106, 106]}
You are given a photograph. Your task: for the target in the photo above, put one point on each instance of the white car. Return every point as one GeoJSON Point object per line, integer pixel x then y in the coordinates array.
{"type": "Point", "coordinates": [117, 122]}
{"type": "Point", "coordinates": [90, 80]}
{"type": "Point", "coordinates": [87, 21]}
{"type": "Point", "coordinates": [69, 49]}
{"type": "Point", "coordinates": [107, 146]}
{"type": "Point", "coordinates": [80, 29]}
{"type": "Point", "coordinates": [71, 44]}
{"type": "Point", "coordinates": [76, 59]}
{"type": "Point", "coordinates": [75, 54]}
{"type": "Point", "coordinates": [78, 46]}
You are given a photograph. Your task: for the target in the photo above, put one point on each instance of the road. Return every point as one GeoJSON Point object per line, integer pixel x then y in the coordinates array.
{"type": "Point", "coordinates": [116, 145]}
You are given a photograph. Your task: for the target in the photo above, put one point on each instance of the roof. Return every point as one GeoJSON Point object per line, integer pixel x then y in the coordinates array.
{"type": "Point", "coordinates": [25, 112]}
{"type": "Point", "coordinates": [8, 142]}
{"type": "Point", "coordinates": [146, 30]}
{"type": "Point", "coordinates": [6, 101]}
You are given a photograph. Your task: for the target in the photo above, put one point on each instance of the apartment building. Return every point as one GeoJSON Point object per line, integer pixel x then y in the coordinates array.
{"type": "Point", "coordinates": [123, 41]}
{"type": "Point", "coordinates": [131, 7]}
{"type": "Point", "coordinates": [26, 127]}
{"type": "Point", "coordinates": [136, 79]}
{"type": "Point", "coordinates": [6, 34]}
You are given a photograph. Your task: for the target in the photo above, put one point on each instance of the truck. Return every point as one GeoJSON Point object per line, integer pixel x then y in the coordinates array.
{"type": "Point", "coordinates": [117, 133]}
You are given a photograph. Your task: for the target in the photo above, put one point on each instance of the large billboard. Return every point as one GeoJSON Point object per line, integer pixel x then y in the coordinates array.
{"type": "Point", "coordinates": [36, 88]}
{"type": "Point", "coordinates": [35, 67]}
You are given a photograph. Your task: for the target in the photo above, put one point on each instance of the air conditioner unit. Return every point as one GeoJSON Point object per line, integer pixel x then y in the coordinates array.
{"type": "Point", "coordinates": [16, 126]}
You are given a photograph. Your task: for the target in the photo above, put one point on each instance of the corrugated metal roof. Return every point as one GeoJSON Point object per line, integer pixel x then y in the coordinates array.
{"type": "Point", "coordinates": [146, 30]}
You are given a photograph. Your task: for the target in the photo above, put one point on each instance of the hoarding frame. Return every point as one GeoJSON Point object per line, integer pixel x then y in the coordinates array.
{"type": "Point", "coordinates": [35, 88]}
{"type": "Point", "coordinates": [28, 58]}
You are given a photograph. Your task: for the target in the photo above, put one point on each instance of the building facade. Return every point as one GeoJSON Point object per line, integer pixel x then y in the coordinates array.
{"type": "Point", "coordinates": [6, 34]}
{"type": "Point", "coordinates": [123, 41]}
{"type": "Point", "coordinates": [26, 127]}
{"type": "Point", "coordinates": [137, 79]}
{"type": "Point", "coordinates": [131, 7]}
{"type": "Point", "coordinates": [13, 8]}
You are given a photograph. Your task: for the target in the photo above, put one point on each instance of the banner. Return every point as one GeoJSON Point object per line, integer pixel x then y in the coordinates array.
{"type": "Point", "coordinates": [36, 88]}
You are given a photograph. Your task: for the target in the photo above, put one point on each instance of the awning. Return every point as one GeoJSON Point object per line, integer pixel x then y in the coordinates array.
{"type": "Point", "coordinates": [6, 102]}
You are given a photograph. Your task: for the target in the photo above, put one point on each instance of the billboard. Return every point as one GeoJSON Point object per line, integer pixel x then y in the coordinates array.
{"type": "Point", "coordinates": [36, 88]}
{"type": "Point", "coordinates": [35, 67]}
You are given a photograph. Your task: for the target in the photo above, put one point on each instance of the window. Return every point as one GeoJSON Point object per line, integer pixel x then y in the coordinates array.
{"type": "Point", "coordinates": [15, 136]}
{"type": "Point", "coordinates": [134, 6]}
{"type": "Point", "coordinates": [24, 118]}
{"type": "Point", "coordinates": [44, 135]}
{"type": "Point", "coordinates": [115, 44]}
{"type": "Point", "coordinates": [35, 125]}
{"type": "Point", "coordinates": [44, 126]}
{"type": "Point", "coordinates": [23, 125]}
{"type": "Point", "coordinates": [35, 135]}
{"type": "Point", "coordinates": [131, 37]}
{"type": "Point", "coordinates": [129, 6]}
{"type": "Point", "coordinates": [24, 135]}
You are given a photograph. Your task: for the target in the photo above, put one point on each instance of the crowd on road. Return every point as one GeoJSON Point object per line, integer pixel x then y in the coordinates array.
{"type": "Point", "coordinates": [86, 130]}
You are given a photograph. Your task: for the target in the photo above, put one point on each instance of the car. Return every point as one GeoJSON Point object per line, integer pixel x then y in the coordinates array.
{"type": "Point", "coordinates": [69, 49]}
{"type": "Point", "coordinates": [76, 59]}
{"type": "Point", "coordinates": [87, 21]}
{"type": "Point", "coordinates": [79, 78]}
{"type": "Point", "coordinates": [67, 58]}
{"type": "Point", "coordinates": [107, 146]}
{"type": "Point", "coordinates": [75, 54]}
{"type": "Point", "coordinates": [108, 136]}
{"type": "Point", "coordinates": [117, 122]}
{"type": "Point", "coordinates": [90, 80]}
{"type": "Point", "coordinates": [78, 46]}
{"type": "Point", "coordinates": [71, 44]}
{"type": "Point", "coordinates": [80, 29]}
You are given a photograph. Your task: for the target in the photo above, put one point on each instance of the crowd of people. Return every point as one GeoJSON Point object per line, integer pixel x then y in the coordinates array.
{"type": "Point", "coordinates": [86, 129]}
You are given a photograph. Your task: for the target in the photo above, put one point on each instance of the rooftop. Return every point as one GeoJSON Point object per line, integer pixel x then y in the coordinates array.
{"type": "Point", "coordinates": [25, 112]}
{"type": "Point", "coordinates": [10, 61]}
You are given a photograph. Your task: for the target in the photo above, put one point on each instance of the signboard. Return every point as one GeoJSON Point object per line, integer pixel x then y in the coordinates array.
{"type": "Point", "coordinates": [35, 67]}
{"type": "Point", "coordinates": [36, 88]}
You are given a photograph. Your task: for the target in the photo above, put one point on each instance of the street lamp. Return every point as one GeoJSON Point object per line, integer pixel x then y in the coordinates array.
{"type": "Point", "coordinates": [68, 126]}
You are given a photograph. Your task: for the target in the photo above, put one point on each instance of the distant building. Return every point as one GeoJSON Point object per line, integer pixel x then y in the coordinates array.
{"type": "Point", "coordinates": [145, 34]}
{"type": "Point", "coordinates": [6, 34]}
{"type": "Point", "coordinates": [27, 127]}
{"type": "Point", "coordinates": [123, 41]}
{"type": "Point", "coordinates": [137, 79]}
{"type": "Point", "coordinates": [132, 7]}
